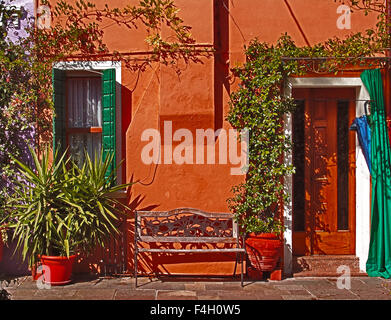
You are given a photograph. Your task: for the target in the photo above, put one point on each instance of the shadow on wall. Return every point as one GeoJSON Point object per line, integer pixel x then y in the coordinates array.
{"type": "Point", "coordinates": [221, 59]}
{"type": "Point", "coordinates": [12, 264]}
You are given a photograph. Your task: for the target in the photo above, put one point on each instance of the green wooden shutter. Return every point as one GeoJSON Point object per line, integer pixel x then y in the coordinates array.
{"type": "Point", "coordinates": [58, 81]}
{"type": "Point", "coordinates": [108, 116]}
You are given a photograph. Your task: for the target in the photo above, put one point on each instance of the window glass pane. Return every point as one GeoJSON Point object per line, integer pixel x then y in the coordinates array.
{"type": "Point", "coordinates": [84, 102]}
{"type": "Point", "coordinates": [343, 165]}
{"type": "Point", "coordinates": [299, 163]}
{"type": "Point", "coordinates": [94, 100]}
{"type": "Point", "coordinates": [79, 142]}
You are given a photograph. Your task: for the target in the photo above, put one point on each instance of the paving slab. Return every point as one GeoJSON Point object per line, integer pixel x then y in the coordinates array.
{"type": "Point", "coordinates": [94, 294]}
{"type": "Point", "coordinates": [176, 295]}
{"type": "Point", "coordinates": [300, 292]}
{"type": "Point", "coordinates": [158, 285]}
{"type": "Point", "coordinates": [123, 288]}
{"type": "Point", "coordinates": [256, 286]}
{"type": "Point", "coordinates": [334, 294]}
{"type": "Point", "coordinates": [127, 294]}
{"type": "Point", "coordinates": [237, 296]}
{"type": "Point", "coordinates": [291, 287]}
{"type": "Point", "coordinates": [298, 297]}
{"type": "Point", "coordinates": [207, 297]}
{"type": "Point", "coordinates": [55, 294]}
{"type": "Point", "coordinates": [195, 286]}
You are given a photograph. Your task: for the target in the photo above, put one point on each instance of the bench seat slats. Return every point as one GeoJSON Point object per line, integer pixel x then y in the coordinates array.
{"type": "Point", "coordinates": [192, 250]}
{"type": "Point", "coordinates": [188, 239]}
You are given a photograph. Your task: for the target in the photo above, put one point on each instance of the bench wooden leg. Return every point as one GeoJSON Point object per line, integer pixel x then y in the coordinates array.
{"type": "Point", "coordinates": [236, 264]}
{"type": "Point", "coordinates": [241, 266]}
{"type": "Point", "coordinates": [241, 269]}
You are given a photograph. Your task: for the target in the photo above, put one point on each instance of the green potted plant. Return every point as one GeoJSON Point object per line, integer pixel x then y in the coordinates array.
{"type": "Point", "coordinates": [62, 210]}
{"type": "Point", "coordinates": [259, 106]}
{"type": "Point", "coordinates": [263, 239]}
{"type": "Point", "coordinates": [261, 227]}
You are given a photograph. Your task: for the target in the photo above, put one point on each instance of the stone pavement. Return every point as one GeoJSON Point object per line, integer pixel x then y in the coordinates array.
{"type": "Point", "coordinates": [93, 288]}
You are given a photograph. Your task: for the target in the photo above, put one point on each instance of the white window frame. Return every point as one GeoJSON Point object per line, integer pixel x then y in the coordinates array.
{"type": "Point", "coordinates": [96, 66]}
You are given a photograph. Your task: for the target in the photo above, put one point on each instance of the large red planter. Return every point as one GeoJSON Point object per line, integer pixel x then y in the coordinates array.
{"type": "Point", "coordinates": [57, 271]}
{"type": "Point", "coordinates": [263, 251]}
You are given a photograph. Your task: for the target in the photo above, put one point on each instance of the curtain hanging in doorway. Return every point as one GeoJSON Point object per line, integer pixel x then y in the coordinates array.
{"type": "Point", "coordinates": [379, 257]}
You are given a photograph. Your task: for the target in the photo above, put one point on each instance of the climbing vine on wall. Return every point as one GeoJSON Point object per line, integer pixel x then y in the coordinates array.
{"type": "Point", "coordinates": [260, 105]}
{"type": "Point", "coordinates": [17, 96]}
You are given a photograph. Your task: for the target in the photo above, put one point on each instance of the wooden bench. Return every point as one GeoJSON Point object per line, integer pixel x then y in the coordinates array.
{"type": "Point", "coordinates": [187, 226]}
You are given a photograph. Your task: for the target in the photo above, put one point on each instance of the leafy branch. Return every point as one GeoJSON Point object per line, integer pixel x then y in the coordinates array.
{"type": "Point", "coordinates": [259, 104]}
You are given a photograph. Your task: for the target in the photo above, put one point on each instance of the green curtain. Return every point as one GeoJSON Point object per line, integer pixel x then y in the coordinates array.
{"type": "Point", "coordinates": [379, 257]}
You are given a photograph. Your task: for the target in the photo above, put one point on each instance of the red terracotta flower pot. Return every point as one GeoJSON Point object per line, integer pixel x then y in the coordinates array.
{"type": "Point", "coordinates": [57, 271]}
{"type": "Point", "coordinates": [263, 251]}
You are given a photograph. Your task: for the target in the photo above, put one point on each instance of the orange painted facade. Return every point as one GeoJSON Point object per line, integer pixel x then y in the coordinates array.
{"type": "Point", "coordinates": [198, 99]}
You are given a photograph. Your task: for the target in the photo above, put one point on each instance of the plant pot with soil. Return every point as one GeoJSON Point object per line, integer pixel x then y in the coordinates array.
{"type": "Point", "coordinates": [264, 251]}
{"type": "Point", "coordinates": [62, 210]}
{"type": "Point", "coordinates": [263, 241]}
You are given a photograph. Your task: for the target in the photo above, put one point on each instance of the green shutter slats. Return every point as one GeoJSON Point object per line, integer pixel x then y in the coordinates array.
{"type": "Point", "coordinates": [108, 116]}
{"type": "Point", "coordinates": [58, 82]}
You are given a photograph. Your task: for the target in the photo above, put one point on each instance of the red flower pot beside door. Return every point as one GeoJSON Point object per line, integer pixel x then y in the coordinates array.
{"type": "Point", "coordinates": [263, 251]}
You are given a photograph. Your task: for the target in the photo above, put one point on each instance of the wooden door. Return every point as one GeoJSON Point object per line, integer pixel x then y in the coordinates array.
{"type": "Point", "coordinates": [324, 182]}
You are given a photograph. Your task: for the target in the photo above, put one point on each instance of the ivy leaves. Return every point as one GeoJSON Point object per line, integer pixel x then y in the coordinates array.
{"type": "Point", "coordinates": [259, 104]}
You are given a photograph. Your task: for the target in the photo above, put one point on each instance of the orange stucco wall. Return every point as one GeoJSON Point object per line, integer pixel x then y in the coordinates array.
{"type": "Point", "coordinates": [198, 98]}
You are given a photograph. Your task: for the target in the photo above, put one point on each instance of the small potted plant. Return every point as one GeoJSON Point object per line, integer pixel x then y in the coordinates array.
{"type": "Point", "coordinates": [62, 210]}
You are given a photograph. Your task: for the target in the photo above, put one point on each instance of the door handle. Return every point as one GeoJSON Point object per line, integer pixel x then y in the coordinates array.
{"type": "Point", "coordinates": [322, 179]}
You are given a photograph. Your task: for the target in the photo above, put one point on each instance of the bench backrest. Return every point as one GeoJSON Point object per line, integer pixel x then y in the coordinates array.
{"type": "Point", "coordinates": [185, 225]}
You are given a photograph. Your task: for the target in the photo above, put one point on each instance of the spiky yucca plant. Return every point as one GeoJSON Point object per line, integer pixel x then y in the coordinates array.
{"type": "Point", "coordinates": [60, 208]}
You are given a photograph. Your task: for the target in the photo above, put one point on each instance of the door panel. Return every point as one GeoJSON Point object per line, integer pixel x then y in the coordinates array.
{"type": "Point", "coordinates": [324, 183]}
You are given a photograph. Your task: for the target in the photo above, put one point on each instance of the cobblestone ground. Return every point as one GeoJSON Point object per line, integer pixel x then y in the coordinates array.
{"type": "Point", "coordinates": [87, 288]}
